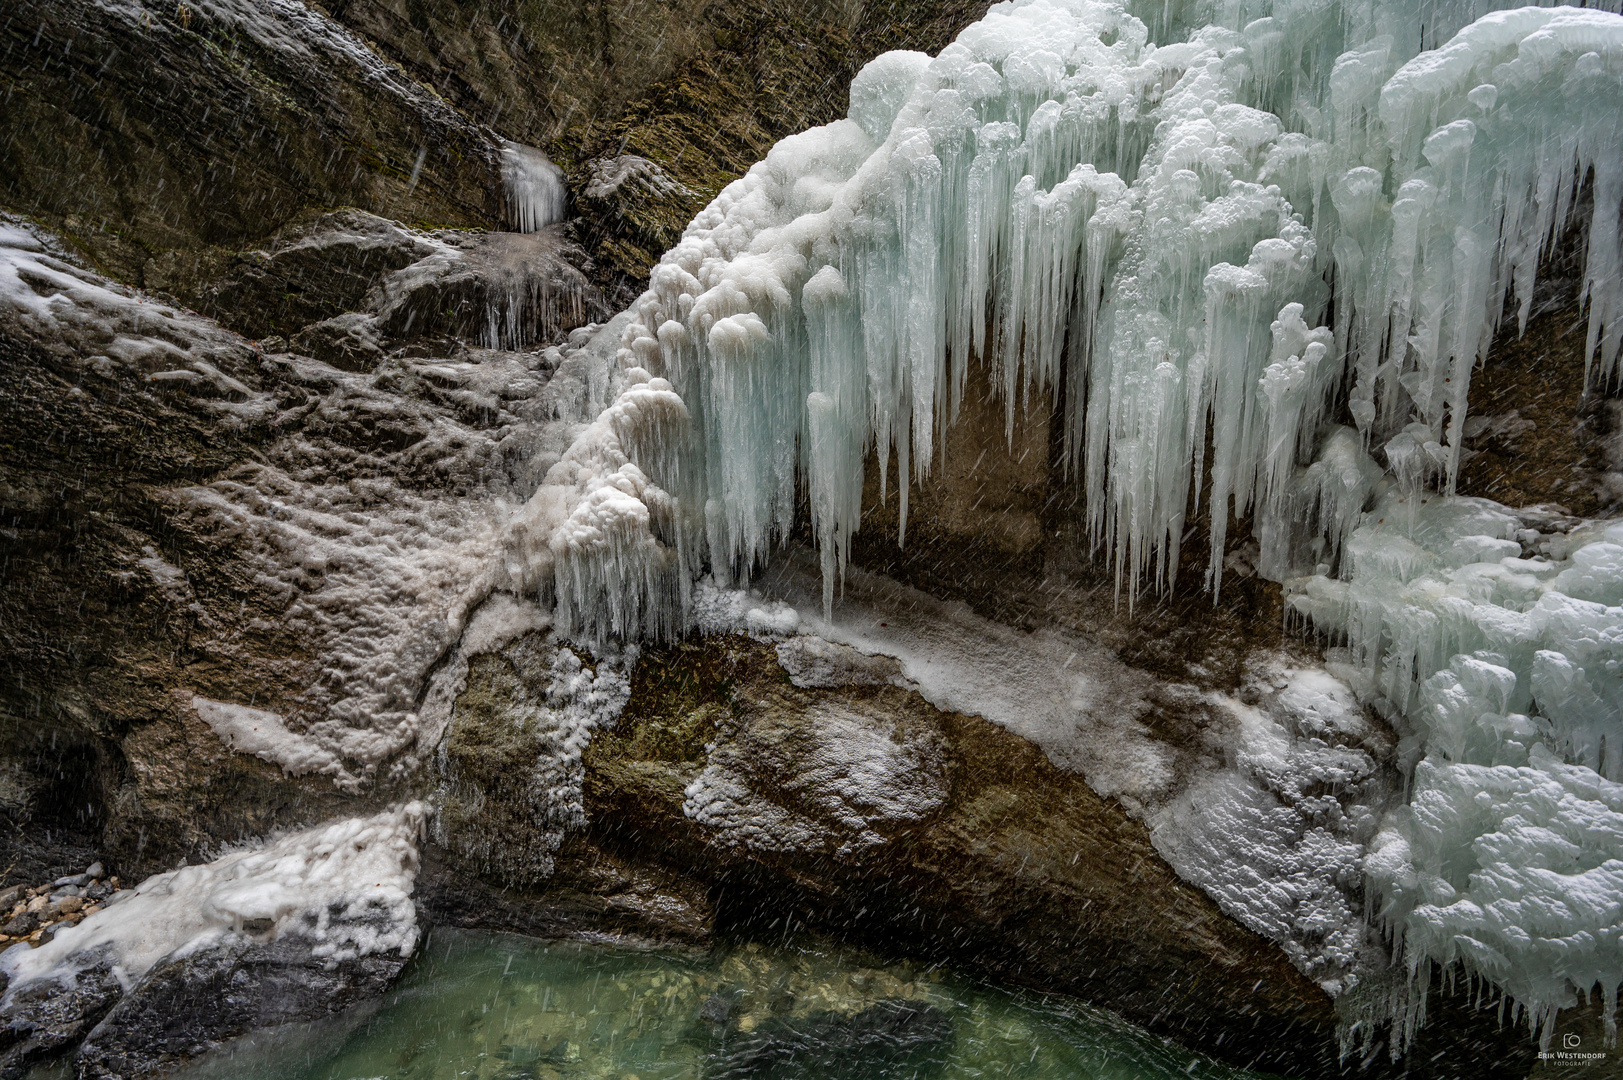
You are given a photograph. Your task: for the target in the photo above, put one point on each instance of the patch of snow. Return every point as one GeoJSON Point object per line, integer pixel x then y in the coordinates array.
{"type": "Point", "coordinates": [265, 735]}
{"type": "Point", "coordinates": [346, 886]}
{"type": "Point", "coordinates": [1066, 694]}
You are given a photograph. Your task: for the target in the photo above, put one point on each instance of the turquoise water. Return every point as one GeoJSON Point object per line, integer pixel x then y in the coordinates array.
{"type": "Point", "coordinates": [496, 1007]}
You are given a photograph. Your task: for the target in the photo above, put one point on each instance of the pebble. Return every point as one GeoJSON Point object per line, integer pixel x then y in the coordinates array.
{"type": "Point", "coordinates": [36, 914]}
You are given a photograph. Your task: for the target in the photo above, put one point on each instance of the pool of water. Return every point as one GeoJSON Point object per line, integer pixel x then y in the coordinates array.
{"type": "Point", "coordinates": [496, 1007]}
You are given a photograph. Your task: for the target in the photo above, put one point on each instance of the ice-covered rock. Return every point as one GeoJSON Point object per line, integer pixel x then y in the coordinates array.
{"type": "Point", "coordinates": [834, 781]}
{"type": "Point", "coordinates": [327, 914]}
{"type": "Point", "coordinates": [1501, 672]}
{"type": "Point", "coordinates": [1278, 834]}
{"type": "Point", "coordinates": [510, 759]}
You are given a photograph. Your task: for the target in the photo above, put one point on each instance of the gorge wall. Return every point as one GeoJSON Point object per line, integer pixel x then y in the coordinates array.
{"type": "Point", "coordinates": [323, 491]}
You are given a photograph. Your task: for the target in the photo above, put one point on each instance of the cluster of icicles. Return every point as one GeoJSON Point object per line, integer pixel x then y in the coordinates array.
{"type": "Point", "coordinates": [1057, 200]}
{"type": "Point", "coordinates": [1216, 241]}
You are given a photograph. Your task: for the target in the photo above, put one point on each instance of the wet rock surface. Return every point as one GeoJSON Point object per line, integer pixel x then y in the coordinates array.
{"type": "Point", "coordinates": [45, 1019]}
{"type": "Point", "coordinates": [1023, 869]}
{"type": "Point", "coordinates": [187, 1004]}
{"type": "Point", "coordinates": [307, 273]}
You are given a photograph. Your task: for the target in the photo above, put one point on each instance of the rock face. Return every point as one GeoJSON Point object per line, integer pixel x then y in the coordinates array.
{"type": "Point", "coordinates": [292, 930]}
{"type": "Point", "coordinates": [741, 784]}
{"type": "Point", "coordinates": [150, 452]}
{"type": "Point", "coordinates": [974, 848]}
{"type": "Point", "coordinates": [701, 91]}
{"type": "Point", "coordinates": [308, 272]}
{"type": "Point", "coordinates": [108, 121]}
{"type": "Point", "coordinates": [209, 126]}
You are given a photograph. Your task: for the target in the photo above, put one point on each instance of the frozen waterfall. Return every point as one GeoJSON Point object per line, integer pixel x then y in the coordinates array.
{"type": "Point", "coordinates": [1207, 247]}
{"type": "Point", "coordinates": [532, 188]}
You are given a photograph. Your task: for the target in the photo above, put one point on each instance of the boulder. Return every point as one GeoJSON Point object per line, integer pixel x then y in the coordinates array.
{"type": "Point", "coordinates": [188, 1004]}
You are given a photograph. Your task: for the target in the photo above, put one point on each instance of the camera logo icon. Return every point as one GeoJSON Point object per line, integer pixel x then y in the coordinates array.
{"type": "Point", "coordinates": [1570, 1041]}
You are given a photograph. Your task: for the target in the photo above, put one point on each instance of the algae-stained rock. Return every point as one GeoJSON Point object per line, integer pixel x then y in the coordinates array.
{"type": "Point", "coordinates": [829, 777]}
{"type": "Point", "coordinates": [631, 211]}
{"type": "Point", "coordinates": [593, 891]}
{"type": "Point", "coordinates": [1011, 864]}
{"type": "Point", "coordinates": [1535, 432]}
{"type": "Point", "coordinates": [510, 761]}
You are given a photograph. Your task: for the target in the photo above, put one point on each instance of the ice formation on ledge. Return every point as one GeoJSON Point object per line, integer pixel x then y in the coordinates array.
{"type": "Point", "coordinates": [265, 735]}
{"type": "Point", "coordinates": [1133, 229]}
{"type": "Point", "coordinates": [345, 886]}
{"type": "Point", "coordinates": [603, 535]}
{"type": "Point", "coordinates": [532, 188]}
{"type": "Point", "coordinates": [1503, 674]}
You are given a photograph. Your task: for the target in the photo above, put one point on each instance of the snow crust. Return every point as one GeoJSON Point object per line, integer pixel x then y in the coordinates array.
{"type": "Point", "coordinates": [345, 886]}
{"type": "Point", "coordinates": [845, 776]}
